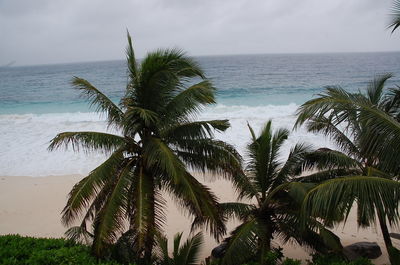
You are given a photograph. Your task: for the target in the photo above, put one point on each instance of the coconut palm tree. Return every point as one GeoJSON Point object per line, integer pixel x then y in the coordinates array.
{"type": "Point", "coordinates": [272, 209]}
{"type": "Point", "coordinates": [158, 140]}
{"type": "Point", "coordinates": [358, 124]}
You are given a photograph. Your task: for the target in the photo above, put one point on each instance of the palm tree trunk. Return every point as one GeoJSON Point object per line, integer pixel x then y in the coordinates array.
{"type": "Point", "coordinates": [149, 243]}
{"type": "Point", "coordinates": [386, 236]}
{"type": "Point", "coordinates": [265, 246]}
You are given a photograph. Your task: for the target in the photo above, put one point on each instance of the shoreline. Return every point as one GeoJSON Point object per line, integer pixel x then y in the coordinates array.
{"type": "Point", "coordinates": [31, 206]}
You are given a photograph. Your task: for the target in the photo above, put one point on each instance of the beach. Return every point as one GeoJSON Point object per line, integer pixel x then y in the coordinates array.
{"type": "Point", "coordinates": [31, 206]}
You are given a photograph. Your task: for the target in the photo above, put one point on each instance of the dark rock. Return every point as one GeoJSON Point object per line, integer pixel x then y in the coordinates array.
{"type": "Point", "coordinates": [350, 255]}
{"type": "Point", "coordinates": [219, 251]}
{"type": "Point", "coordinates": [370, 250]}
{"type": "Point", "coordinates": [395, 235]}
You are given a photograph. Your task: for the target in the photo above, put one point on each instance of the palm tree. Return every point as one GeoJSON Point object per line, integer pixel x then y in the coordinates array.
{"type": "Point", "coordinates": [158, 141]}
{"type": "Point", "coordinates": [187, 254]}
{"type": "Point", "coordinates": [358, 124]}
{"type": "Point", "coordinates": [273, 210]}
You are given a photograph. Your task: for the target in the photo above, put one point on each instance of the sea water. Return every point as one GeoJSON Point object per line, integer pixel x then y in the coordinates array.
{"type": "Point", "coordinates": [37, 102]}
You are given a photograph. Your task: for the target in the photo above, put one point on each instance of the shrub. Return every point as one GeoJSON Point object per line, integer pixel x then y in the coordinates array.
{"type": "Point", "coordinates": [15, 249]}
{"type": "Point", "coordinates": [288, 261]}
{"type": "Point", "coordinates": [274, 257]}
{"type": "Point", "coordinates": [336, 260]}
{"type": "Point", "coordinates": [18, 250]}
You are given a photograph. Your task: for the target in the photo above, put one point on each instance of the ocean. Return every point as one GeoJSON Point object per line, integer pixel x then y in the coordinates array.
{"type": "Point", "coordinates": [37, 102]}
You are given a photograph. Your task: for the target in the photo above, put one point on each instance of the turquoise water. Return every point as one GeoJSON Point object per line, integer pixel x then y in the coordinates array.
{"type": "Point", "coordinates": [37, 102]}
{"type": "Point", "coordinates": [251, 80]}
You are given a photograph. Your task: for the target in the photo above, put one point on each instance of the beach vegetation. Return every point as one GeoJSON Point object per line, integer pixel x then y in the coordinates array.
{"type": "Point", "coordinates": [18, 250]}
{"type": "Point", "coordinates": [187, 253]}
{"type": "Point", "coordinates": [332, 259]}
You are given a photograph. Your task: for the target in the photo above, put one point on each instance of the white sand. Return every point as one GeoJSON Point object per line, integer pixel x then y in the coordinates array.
{"type": "Point", "coordinates": [31, 206]}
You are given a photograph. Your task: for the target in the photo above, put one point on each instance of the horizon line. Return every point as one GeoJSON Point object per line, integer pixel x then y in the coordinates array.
{"type": "Point", "coordinates": [15, 64]}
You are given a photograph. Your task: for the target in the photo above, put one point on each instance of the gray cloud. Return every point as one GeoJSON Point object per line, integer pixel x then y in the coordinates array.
{"type": "Point", "coordinates": [51, 31]}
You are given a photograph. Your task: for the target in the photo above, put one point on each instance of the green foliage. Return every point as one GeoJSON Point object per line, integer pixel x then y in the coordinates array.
{"type": "Point", "coordinates": [20, 250]}
{"type": "Point", "coordinates": [274, 257]}
{"type": "Point", "coordinates": [395, 21]}
{"type": "Point", "coordinates": [394, 255]}
{"type": "Point", "coordinates": [183, 254]}
{"type": "Point", "coordinates": [332, 259]}
{"type": "Point", "coordinates": [288, 261]}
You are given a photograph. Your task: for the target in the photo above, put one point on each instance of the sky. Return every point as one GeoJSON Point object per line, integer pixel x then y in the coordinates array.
{"type": "Point", "coordinates": [58, 31]}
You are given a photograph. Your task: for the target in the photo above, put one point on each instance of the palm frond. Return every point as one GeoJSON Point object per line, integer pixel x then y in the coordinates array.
{"type": "Point", "coordinates": [293, 165]}
{"type": "Point", "coordinates": [177, 243]}
{"type": "Point", "coordinates": [109, 222]}
{"type": "Point", "coordinates": [333, 98]}
{"type": "Point", "coordinates": [210, 155]}
{"type": "Point", "coordinates": [217, 158]}
{"type": "Point", "coordinates": [325, 158]}
{"type": "Point", "coordinates": [79, 235]}
{"type": "Point", "coordinates": [295, 190]}
{"type": "Point", "coordinates": [196, 130]}
{"type": "Point", "coordinates": [236, 209]}
{"type": "Point", "coordinates": [383, 136]}
{"type": "Point", "coordinates": [323, 175]}
{"type": "Point", "coordinates": [189, 252]}
{"type": "Point", "coordinates": [374, 172]}
{"type": "Point", "coordinates": [99, 100]}
{"type": "Point", "coordinates": [131, 60]}
{"type": "Point", "coordinates": [313, 237]}
{"type": "Point", "coordinates": [253, 134]}
{"type": "Point", "coordinates": [242, 244]}
{"type": "Point", "coordinates": [161, 74]}
{"type": "Point", "coordinates": [325, 126]}
{"type": "Point", "coordinates": [391, 102]}
{"type": "Point", "coordinates": [159, 155]}
{"type": "Point", "coordinates": [136, 118]}
{"type": "Point", "coordinates": [200, 202]}
{"type": "Point", "coordinates": [186, 254]}
{"type": "Point", "coordinates": [161, 251]}
{"type": "Point", "coordinates": [330, 239]}
{"type": "Point", "coordinates": [259, 153]}
{"type": "Point", "coordinates": [190, 100]}
{"type": "Point", "coordinates": [263, 153]}
{"type": "Point", "coordinates": [84, 191]}
{"type": "Point", "coordinates": [174, 61]}
{"type": "Point", "coordinates": [395, 22]}
{"type": "Point", "coordinates": [335, 198]}
{"type": "Point", "coordinates": [278, 139]}
{"type": "Point", "coordinates": [88, 141]}
{"type": "Point", "coordinates": [97, 204]}
{"type": "Point", "coordinates": [375, 88]}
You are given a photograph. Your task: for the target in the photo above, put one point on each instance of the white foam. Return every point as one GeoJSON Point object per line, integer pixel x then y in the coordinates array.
{"type": "Point", "coordinates": [24, 138]}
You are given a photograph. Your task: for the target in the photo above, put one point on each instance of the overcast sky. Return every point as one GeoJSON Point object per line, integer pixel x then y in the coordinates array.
{"type": "Point", "coordinates": [57, 31]}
